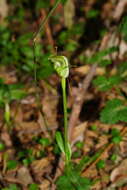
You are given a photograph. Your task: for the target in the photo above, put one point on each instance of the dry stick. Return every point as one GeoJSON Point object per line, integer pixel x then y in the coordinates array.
{"type": "Point", "coordinates": [108, 147]}
{"type": "Point", "coordinates": [78, 102]}
{"type": "Point", "coordinates": [120, 8]}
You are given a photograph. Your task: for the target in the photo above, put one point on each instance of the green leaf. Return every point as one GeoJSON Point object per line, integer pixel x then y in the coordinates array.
{"type": "Point", "coordinates": [100, 164]}
{"type": "Point", "coordinates": [79, 144]}
{"type": "Point", "coordinates": [113, 157]}
{"type": "Point", "coordinates": [17, 94]}
{"type": "Point", "coordinates": [71, 46]}
{"type": "Point", "coordinates": [114, 111]}
{"type": "Point", "coordinates": [63, 183]}
{"type": "Point", "coordinates": [45, 71]}
{"type": "Point", "coordinates": [79, 182]}
{"type": "Point", "coordinates": [71, 180]}
{"type": "Point", "coordinates": [33, 187]}
{"type": "Point", "coordinates": [77, 29]}
{"type": "Point", "coordinates": [2, 146]}
{"type": "Point", "coordinates": [84, 183]}
{"type": "Point", "coordinates": [27, 51]}
{"type": "Point", "coordinates": [115, 132]}
{"type": "Point", "coordinates": [92, 13]}
{"type": "Point", "coordinates": [116, 136]}
{"type": "Point", "coordinates": [104, 62]}
{"type": "Point", "coordinates": [44, 141]}
{"type": "Point", "coordinates": [105, 84]}
{"type": "Point", "coordinates": [11, 164]}
{"type": "Point", "coordinates": [60, 142]}
{"type": "Point", "coordinates": [116, 140]}
{"type": "Point", "coordinates": [24, 39]}
{"type": "Point", "coordinates": [62, 39]}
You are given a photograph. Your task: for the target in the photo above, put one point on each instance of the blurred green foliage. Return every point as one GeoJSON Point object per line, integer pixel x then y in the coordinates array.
{"type": "Point", "coordinates": [114, 111]}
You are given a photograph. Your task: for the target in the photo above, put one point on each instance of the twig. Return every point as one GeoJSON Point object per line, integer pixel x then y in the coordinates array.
{"type": "Point", "coordinates": [80, 99]}
{"type": "Point", "coordinates": [121, 6]}
{"type": "Point", "coordinates": [78, 102]}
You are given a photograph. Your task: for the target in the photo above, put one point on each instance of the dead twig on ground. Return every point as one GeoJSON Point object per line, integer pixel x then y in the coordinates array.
{"type": "Point", "coordinates": [79, 99]}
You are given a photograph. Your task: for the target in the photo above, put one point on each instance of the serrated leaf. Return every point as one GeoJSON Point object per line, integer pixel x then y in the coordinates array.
{"type": "Point", "coordinates": [60, 142]}
{"type": "Point", "coordinates": [105, 84]}
{"type": "Point", "coordinates": [114, 112]}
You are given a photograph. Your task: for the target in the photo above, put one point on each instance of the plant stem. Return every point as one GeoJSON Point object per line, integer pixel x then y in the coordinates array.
{"type": "Point", "coordinates": [63, 84]}
{"type": "Point", "coordinates": [45, 20]}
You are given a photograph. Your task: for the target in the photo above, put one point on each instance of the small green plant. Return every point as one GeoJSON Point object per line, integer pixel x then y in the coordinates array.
{"type": "Point", "coordinates": [71, 180]}
{"type": "Point", "coordinates": [62, 68]}
{"type": "Point", "coordinates": [114, 111]}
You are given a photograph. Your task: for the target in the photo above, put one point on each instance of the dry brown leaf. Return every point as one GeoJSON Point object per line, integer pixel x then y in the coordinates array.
{"type": "Point", "coordinates": [49, 108]}
{"type": "Point", "coordinates": [39, 165]}
{"type": "Point", "coordinates": [78, 134]}
{"type": "Point", "coordinates": [23, 175]}
{"type": "Point", "coordinates": [83, 70]}
{"type": "Point", "coordinates": [119, 9]}
{"type": "Point", "coordinates": [45, 185]}
{"type": "Point", "coordinates": [119, 174]}
{"type": "Point", "coordinates": [5, 137]}
{"type": "Point", "coordinates": [3, 10]}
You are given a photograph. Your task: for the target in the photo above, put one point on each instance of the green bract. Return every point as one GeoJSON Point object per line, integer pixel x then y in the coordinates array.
{"type": "Point", "coordinates": [60, 65]}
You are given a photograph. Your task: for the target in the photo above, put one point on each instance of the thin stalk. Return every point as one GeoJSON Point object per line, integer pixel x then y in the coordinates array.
{"type": "Point", "coordinates": [63, 84]}
{"type": "Point", "coordinates": [45, 20]}
{"type": "Point", "coordinates": [35, 36]}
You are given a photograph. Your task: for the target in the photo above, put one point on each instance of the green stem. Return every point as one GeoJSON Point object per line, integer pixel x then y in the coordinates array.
{"type": "Point", "coordinates": [63, 84]}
